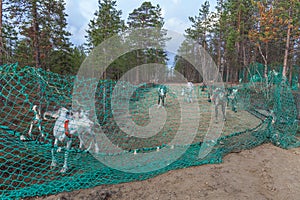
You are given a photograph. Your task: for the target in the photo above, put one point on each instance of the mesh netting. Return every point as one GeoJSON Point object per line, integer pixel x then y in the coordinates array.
{"type": "Point", "coordinates": [264, 114]}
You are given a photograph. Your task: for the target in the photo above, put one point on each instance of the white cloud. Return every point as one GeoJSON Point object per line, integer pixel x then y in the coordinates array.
{"type": "Point", "coordinates": [163, 12]}
{"type": "Point", "coordinates": [176, 1]}
{"type": "Point", "coordinates": [176, 24]}
{"type": "Point", "coordinates": [174, 12]}
{"type": "Point", "coordinates": [78, 34]}
{"type": "Point", "coordinates": [87, 9]}
{"type": "Point", "coordinates": [80, 13]}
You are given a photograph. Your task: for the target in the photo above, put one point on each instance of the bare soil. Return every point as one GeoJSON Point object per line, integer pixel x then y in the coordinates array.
{"type": "Point", "coordinates": [265, 172]}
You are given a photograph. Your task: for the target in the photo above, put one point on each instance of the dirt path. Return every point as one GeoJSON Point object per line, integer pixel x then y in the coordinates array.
{"type": "Point", "coordinates": [266, 172]}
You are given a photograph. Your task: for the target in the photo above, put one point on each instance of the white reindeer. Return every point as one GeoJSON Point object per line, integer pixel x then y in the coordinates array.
{"type": "Point", "coordinates": [85, 125]}
{"type": "Point", "coordinates": [187, 92]}
{"type": "Point", "coordinates": [219, 98]}
{"type": "Point", "coordinates": [36, 121]}
{"type": "Point", "coordinates": [68, 126]}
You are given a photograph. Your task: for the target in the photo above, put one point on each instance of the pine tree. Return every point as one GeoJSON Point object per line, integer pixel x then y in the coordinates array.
{"type": "Point", "coordinates": [42, 26]}
{"type": "Point", "coordinates": [237, 17]}
{"type": "Point", "coordinates": [204, 31]}
{"type": "Point", "coordinates": [277, 29]}
{"type": "Point", "coordinates": [289, 19]}
{"type": "Point", "coordinates": [201, 26]}
{"type": "Point", "coordinates": [55, 41]}
{"type": "Point", "coordinates": [1, 35]}
{"type": "Point", "coordinates": [77, 57]}
{"type": "Point", "coordinates": [145, 17]}
{"type": "Point", "coordinates": [8, 34]}
{"type": "Point", "coordinates": [185, 68]}
{"type": "Point", "coordinates": [264, 32]}
{"type": "Point", "coordinates": [106, 23]}
{"type": "Point", "coordinates": [219, 28]}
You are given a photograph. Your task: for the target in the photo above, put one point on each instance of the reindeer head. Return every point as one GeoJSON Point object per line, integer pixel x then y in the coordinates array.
{"type": "Point", "coordinates": [233, 94]}
{"type": "Point", "coordinates": [34, 108]}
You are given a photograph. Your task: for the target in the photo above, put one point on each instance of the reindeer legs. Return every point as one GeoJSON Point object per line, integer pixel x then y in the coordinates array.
{"type": "Point", "coordinates": [65, 167]}
{"type": "Point", "coordinates": [54, 161]}
{"type": "Point", "coordinates": [30, 129]}
{"type": "Point", "coordinates": [96, 150]}
{"type": "Point", "coordinates": [216, 112]}
{"type": "Point", "coordinates": [224, 111]}
{"type": "Point", "coordinates": [40, 129]}
{"type": "Point", "coordinates": [96, 144]}
{"type": "Point", "coordinates": [92, 134]}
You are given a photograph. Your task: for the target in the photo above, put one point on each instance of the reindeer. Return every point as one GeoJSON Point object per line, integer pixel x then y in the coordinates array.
{"type": "Point", "coordinates": [36, 121]}
{"type": "Point", "coordinates": [85, 125]}
{"type": "Point", "coordinates": [162, 93]}
{"type": "Point", "coordinates": [219, 98]}
{"type": "Point", "coordinates": [187, 92]}
{"type": "Point", "coordinates": [209, 92]}
{"type": "Point", "coordinates": [232, 98]}
{"type": "Point", "coordinates": [67, 126]}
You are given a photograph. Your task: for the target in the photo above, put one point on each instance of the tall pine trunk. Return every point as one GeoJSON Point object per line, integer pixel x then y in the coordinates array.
{"type": "Point", "coordinates": [1, 39]}
{"type": "Point", "coordinates": [37, 53]}
{"type": "Point", "coordinates": [287, 46]}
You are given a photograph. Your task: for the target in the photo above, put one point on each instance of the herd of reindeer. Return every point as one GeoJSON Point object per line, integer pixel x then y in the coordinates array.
{"type": "Point", "coordinates": [70, 124]}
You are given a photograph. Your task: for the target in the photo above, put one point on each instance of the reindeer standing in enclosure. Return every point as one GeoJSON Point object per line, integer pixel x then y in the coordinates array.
{"type": "Point", "coordinates": [36, 121]}
{"type": "Point", "coordinates": [219, 98]}
{"type": "Point", "coordinates": [209, 91]}
{"type": "Point", "coordinates": [232, 98]}
{"type": "Point", "coordinates": [67, 126]}
{"type": "Point", "coordinates": [187, 92]}
{"type": "Point", "coordinates": [162, 93]}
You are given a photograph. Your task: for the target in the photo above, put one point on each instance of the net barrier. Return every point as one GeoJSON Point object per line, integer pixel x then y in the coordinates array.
{"type": "Point", "coordinates": [264, 115]}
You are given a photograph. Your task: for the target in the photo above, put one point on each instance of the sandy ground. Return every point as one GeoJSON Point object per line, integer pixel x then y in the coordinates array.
{"type": "Point", "coordinates": [265, 172]}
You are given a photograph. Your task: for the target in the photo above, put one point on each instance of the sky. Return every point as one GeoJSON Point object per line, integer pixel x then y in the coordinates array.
{"type": "Point", "coordinates": [174, 12]}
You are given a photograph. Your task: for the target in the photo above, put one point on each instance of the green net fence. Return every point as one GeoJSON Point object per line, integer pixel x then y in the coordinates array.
{"type": "Point", "coordinates": [255, 73]}
{"type": "Point", "coordinates": [264, 114]}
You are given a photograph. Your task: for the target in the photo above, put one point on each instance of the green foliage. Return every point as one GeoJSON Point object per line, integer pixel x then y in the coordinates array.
{"type": "Point", "coordinates": [42, 26]}
{"type": "Point", "coordinates": [231, 41]}
{"type": "Point", "coordinates": [146, 17]}
{"type": "Point", "coordinates": [77, 57]}
{"type": "Point", "coordinates": [107, 22]}
{"type": "Point", "coordinates": [183, 66]}
{"type": "Point", "coordinates": [235, 35]}
{"type": "Point", "coordinates": [201, 26]}
{"type": "Point", "coordinates": [9, 35]}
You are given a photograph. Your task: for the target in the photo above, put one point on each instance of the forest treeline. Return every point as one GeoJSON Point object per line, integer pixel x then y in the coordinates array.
{"type": "Point", "coordinates": [236, 33]}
